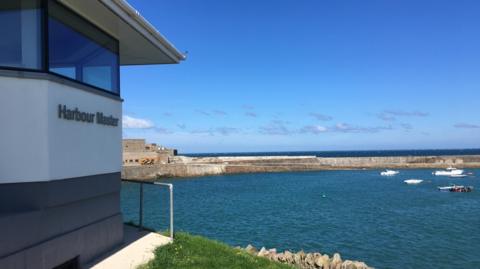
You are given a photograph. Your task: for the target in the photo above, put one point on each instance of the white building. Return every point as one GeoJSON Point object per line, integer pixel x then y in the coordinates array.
{"type": "Point", "coordinates": [60, 125]}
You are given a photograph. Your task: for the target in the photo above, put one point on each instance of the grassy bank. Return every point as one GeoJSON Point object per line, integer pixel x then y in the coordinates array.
{"type": "Point", "coordinates": [195, 252]}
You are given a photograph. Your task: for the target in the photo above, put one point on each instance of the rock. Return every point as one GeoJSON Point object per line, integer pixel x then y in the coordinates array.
{"type": "Point", "coordinates": [322, 262]}
{"type": "Point", "coordinates": [273, 257]}
{"type": "Point", "coordinates": [288, 257]}
{"type": "Point", "coordinates": [302, 260]}
{"type": "Point", "coordinates": [271, 254]}
{"type": "Point", "coordinates": [251, 249]}
{"type": "Point", "coordinates": [263, 252]}
{"type": "Point", "coordinates": [348, 265]}
{"type": "Point", "coordinates": [310, 260]}
{"type": "Point", "coordinates": [301, 254]}
{"type": "Point", "coordinates": [336, 261]}
{"type": "Point", "coordinates": [361, 265]}
{"type": "Point", "coordinates": [299, 257]}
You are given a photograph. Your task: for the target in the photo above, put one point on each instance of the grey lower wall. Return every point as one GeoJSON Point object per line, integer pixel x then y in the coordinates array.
{"type": "Point", "coordinates": [43, 224]}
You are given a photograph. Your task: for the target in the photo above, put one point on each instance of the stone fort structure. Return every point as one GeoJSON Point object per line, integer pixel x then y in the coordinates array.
{"type": "Point", "coordinates": [137, 152]}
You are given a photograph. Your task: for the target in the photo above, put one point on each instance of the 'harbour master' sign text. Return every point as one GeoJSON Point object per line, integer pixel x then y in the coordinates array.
{"type": "Point", "coordinates": [76, 115]}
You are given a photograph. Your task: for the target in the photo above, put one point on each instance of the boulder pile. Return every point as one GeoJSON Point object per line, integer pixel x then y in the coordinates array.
{"type": "Point", "coordinates": [306, 260]}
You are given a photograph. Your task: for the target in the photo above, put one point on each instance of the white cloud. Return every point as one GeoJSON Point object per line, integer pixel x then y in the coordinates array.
{"type": "Point", "coordinates": [276, 127]}
{"type": "Point", "coordinates": [320, 117]}
{"type": "Point", "coordinates": [467, 126]}
{"type": "Point", "coordinates": [136, 123]}
{"type": "Point", "coordinates": [347, 128]}
{"type": "Point", "coordinates": [391, 115]}
{"type": "Point", "coordinates": [314, 129]}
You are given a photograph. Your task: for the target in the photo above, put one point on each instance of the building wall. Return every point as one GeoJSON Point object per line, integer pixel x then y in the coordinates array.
{"type": "Point", "coordinates": [59, 179]}
{"type": "Point", "coordinates": [38, 146]}
{"type": "Point", "coordinates": [136, 158]}
{"type": "Point", "coordinates": [133, 145]}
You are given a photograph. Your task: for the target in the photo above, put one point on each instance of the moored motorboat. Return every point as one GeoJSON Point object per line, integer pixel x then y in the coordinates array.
{"type": "Point", "coordinates": [446, 188]}
{"type": "Point", "coordinates": [413, 181]}
{"type": "Point", "coordinates": [462, 189]}
{"type": "Point", "coordinates": [456, 188]}
{"type": "Point", "coordinates": [389, 173]}
{"type": "Point", "coordinates": [457, 176]}
{"type": "Point", "coordinates": [452, 172]}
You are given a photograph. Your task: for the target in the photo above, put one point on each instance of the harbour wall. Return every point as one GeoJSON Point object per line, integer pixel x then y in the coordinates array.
{"type": "Point", "coordinates": [181, 166]}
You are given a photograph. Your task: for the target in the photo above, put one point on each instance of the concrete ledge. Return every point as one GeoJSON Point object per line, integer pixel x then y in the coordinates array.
{"type": "Point", "coordinates": [138, 248]}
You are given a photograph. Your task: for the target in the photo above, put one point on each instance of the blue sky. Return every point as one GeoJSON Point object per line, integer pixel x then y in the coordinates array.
{"type": "Point", "coordinates": [282, 75]}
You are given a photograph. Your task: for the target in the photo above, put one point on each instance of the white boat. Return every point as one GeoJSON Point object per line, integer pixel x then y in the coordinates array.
{"type": "Point", "coordinates": [413, 181]}
{"type": "Point", "coordinates": [448, 172]}
{"type": "Point", "coordinates": [389, 173]}
{"type": "Point", "coordinates": [456, 188]}
{"type": "Point", "coordinates": [458, 176]}
{"type": "Point", "coordinates": [449, 188]}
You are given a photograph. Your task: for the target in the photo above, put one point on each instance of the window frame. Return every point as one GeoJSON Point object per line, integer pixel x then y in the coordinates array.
{"type": "Point", "coordinates": [42, 44]}
{"type": "Point", "coordinates": [45, 50]}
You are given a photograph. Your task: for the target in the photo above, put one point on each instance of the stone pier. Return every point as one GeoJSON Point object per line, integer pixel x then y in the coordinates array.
{"type": "Point", "coordinates": [181, 166]}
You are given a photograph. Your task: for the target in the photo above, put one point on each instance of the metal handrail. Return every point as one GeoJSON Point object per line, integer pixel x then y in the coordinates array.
{"type": "Point", "coordinates": [170, 187]}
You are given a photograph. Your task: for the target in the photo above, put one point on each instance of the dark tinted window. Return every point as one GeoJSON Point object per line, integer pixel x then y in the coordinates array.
{"type": "Point", "coordinates": [20, 34]}
{"type": "Point", "coordinates": [80, 51]}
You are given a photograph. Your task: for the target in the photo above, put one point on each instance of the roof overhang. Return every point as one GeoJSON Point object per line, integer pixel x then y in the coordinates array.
{"type": "Point", "coordinates": [140, 42]}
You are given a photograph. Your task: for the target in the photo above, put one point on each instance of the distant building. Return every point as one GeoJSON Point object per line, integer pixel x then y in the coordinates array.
{"type": "Point", "coordinates": [138, 152]}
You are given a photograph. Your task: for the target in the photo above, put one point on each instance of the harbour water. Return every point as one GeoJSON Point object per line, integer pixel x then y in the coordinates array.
{"type": "Point", "coordinates": [360, 214]}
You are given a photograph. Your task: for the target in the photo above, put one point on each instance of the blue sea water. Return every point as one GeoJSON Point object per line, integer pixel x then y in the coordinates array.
{"type": "Point", "coordinates": [360, 214]}
{"type": "Point", "coordinates": [357, 153]}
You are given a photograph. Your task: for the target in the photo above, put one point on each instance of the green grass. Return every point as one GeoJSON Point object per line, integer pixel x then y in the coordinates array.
{"type": "Point", "coordinates": [195, 252]}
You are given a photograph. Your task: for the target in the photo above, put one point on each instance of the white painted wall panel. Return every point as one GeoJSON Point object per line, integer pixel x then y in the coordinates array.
{"type": "Point", "coordinates": [23, 130]}
{"type": "Point", "coordinates": [35, 145]}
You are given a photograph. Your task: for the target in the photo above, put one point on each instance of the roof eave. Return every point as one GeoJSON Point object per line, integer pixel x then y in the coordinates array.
{"type": "Point", "coordinates": [124, 10]}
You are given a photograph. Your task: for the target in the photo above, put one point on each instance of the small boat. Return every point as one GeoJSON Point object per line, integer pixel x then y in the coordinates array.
{"type": "Point", "coordinates": [457, 176]}
{"type": "Point", "coordinates": [448, 172]}
{"type": "Point", "coordinates": [389, 173]}
{"type": "Point", "coordinates": [446, 188]}
{"type": "Point", "coordinates": [456, 188]}
{"type": "Point", "coordinates": [462, 189]}
{"type": "Point", "coordinates": [413, 181]}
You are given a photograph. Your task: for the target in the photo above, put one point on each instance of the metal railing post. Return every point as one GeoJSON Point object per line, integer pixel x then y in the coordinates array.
{"type": "Point", "coordinates": [171, 211]}
{"type": "Point", "coordinates": [140, 221]}
{"type": "Point", "coordinates": [140, 213]}
{"type": "Point", "coordinates": [170, 188]}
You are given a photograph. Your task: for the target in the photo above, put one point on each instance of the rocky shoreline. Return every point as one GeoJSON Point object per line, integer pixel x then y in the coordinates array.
{"type": "Point", "coordinates": [181, 166]}
{"type": "Point", "coordinates": [304, 260]}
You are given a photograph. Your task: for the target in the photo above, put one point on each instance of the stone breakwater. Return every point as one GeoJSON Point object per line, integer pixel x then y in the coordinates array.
{"type": "Point", "coordinates": [181, 166]}
{"type": "Point", "coordinates": [306, 260]}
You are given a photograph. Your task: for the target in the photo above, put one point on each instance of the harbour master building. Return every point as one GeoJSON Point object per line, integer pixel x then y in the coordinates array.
{"type": "Point", "coordinates": [60, 125]}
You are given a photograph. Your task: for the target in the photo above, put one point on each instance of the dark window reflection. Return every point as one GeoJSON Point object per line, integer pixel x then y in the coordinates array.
{"type": "Point", "coordinates": [20, 34]}
{"type": "Point", "coordinates": [80, 51]}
